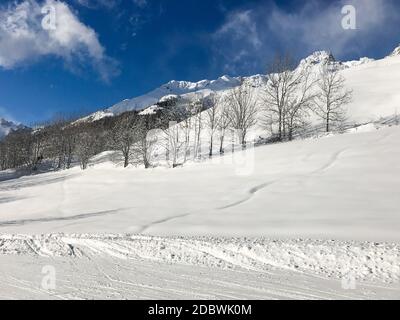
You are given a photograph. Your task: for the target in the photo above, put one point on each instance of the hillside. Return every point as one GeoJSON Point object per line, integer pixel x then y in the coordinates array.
{"type": "Point", "coordinates": [333, 188]}
{"type": "Point", "coordinates": [362, 76]}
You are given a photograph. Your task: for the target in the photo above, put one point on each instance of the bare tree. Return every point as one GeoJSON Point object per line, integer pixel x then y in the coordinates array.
{"type": "Point", "coordinates": [242, 110]}
{"type": "Point", "coordinates": [172, 137]}
{"type": "Point", "coordinates": [147, 140]}
{"type": "Point", "coordinates": [196, 109]}
{"type": "Point", "coordinates": [124, 134]}
{"type": "Point", "coordinates": [86, 147]}
{"type": "Point", "coordinates": [213, 116]}
{"type": "Point", "coordinates": [35, 146]}
{"type": "Point", "coordinates": [332, 97]}
{"type": "Point", "coordinates": [281, 85]}
{"type": "Point", "coordinates": [186, 127]}
{"type": "Point", "coordinates": [223, 123]}
{"type": "Point", "coordinates": [299, 104]}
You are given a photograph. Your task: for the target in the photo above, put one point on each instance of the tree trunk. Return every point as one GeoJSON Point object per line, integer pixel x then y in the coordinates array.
{"type": "Point", "coordinates": [221, 146]}
{"type": "Point", "coordinates": [211, 147]}
{"type": "Point", "coordinates": [327, 122]}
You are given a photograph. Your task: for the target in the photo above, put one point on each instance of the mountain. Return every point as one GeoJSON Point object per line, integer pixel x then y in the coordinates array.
{"type": "Point", "coordinates": [396, 52]}
{"type": "Point", "coordinates": [7, 126]}
{"type": "Point", "coordinates": [172, 88]}
{"type": "Point", "coordinates": [188, 90]}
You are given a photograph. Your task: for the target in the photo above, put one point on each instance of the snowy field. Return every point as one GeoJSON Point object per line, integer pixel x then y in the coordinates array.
{"type": "Point", "coordinates": [340, 187]}
{"type": "Point", "coordinates": [340, 192]}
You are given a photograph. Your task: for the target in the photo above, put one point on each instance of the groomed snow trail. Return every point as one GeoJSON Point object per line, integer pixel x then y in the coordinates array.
{"type": "Point", "coordinates": [135, 266]}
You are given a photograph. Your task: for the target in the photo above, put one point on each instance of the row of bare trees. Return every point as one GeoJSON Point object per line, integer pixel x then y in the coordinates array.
{"type": "Point", "coordinates": [61, 142]}
{"type": "Point", "coordinates": [284, 105]}
{"type": "Point", "coordinates": [291, 95]}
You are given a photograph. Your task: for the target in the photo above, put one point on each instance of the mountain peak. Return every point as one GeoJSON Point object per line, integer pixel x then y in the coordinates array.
{"type": "Point", "coordinates": [318, 57]}
{"type": "Point", "coordinates": [396, 52]}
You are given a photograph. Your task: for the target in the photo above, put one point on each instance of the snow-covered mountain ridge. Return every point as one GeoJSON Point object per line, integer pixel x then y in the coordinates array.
{"type": "Point", "coordinates": [396, 52]}
{"type": "Point", "coordinates": [188, 89]}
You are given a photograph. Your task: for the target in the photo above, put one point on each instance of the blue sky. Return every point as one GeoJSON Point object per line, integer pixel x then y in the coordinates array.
{"type": "Point", "coordinates": [103, 51]}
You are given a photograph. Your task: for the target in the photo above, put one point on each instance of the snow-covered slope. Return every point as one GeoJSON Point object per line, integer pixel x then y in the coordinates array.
{"type": "Point", "coordinates": [339, 187]}
{"type": "Point", "coordinates": [376, 89]}
{"type": "Point", "coordinates": [396, 52]}
{"type": "Point", "coordinates": [7, 126]}
{"type": "Point", "coordinates": [310, 217]}
{"type": "Point", "coordinates": [172, 88]}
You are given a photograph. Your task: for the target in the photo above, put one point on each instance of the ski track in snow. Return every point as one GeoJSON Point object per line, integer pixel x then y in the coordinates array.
{"type": "Point", "coordinates": [137, 266]}
{"type": "Point", "coordinates": [372, 260]}
{"type": "Point", "coordinates": [335, 157]}
{"type": "Point", "coordinates": [251, 193]}
{"type": "Point", "coordinates": [66, 218]}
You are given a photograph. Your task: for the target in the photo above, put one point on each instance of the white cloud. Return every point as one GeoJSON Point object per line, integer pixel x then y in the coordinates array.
{"type": "Point", "coordinates": [241, 26]}
{"type": "Point", "coordinates": [320, 28]}
{"type": "Point", "coordinates": [24, 40]}
{"type": "Point", "coordinates": [248, 38]}
{"type": "Point", "coordinates": [236, 39]}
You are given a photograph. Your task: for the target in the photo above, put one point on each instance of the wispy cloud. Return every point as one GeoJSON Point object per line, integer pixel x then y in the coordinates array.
{"type": "Point", "coordinates": [95, 4]}
{"type": "Point", "coordinates": [24, 40]}
{"type": "Point", "coordinates": [140, 3]}
{"type": "Point", "coordinates": [249, 37]}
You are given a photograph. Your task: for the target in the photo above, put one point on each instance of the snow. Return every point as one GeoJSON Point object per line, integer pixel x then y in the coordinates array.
{"type": "Point", "coordinates": [396, 52]}
{"type": "Point", "coordinates": [177, 88]}
{"type": "Point", "coordinates": [371, 80]}
{"type": "Point", "coordinates": [121, 266]}
{"type": "Point", "coordinates": [336, 187]}
{"type": "Point", "coordinates": [94, 117]}
{"type": "Point", "coordinates": [375, 88]}
{"type": "Point", "coordinates": [105, 277]}
{"type": "Point", "coordinates": [150, 110]}
{"type": "Point", "coordinates": [355, 63]}
{"type": "Point", "coordinates": [169, 97]}
{"type": "Point", "coordinates": [308, 214]}
{"type": "Point", "coordinates": [369, 261]}
{"type": "Point", "coordinates": [317, 58]}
